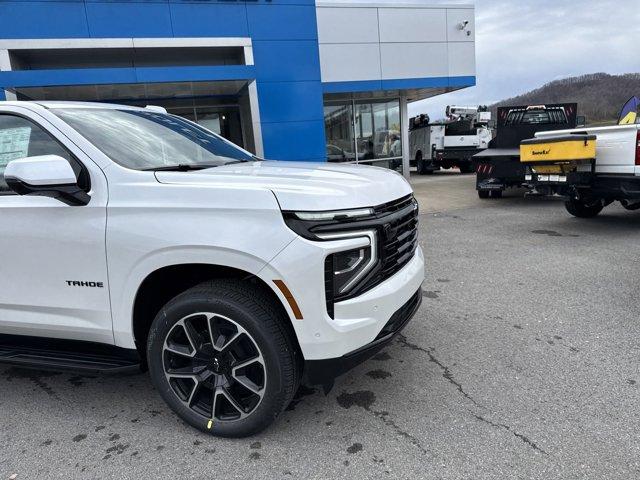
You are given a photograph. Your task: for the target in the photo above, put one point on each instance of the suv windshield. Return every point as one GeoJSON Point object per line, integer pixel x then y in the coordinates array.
{"type": "Point", "coordinates": [146, 140]}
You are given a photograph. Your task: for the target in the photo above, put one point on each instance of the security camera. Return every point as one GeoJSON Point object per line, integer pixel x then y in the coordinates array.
{"type": "Point", "coordinates": [463, 25]}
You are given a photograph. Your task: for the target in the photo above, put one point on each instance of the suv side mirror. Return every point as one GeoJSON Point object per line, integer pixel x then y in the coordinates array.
{"type": "Point", "coordinates": [581, 121]}
{"type": "Point", "coordinates": [47, 176]}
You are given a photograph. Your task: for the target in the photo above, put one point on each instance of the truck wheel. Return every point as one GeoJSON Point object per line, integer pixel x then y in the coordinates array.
{"type": "Point", "coordinates": [483, 194]}
{"type": "Point", "coordinates": [421, 164]}
{"type": "Point", "coordinates": [221, 358]}
{"type": "Point", "coordinates": [581, 209]}
{"type": "Point", "coordinates": [466, 168]}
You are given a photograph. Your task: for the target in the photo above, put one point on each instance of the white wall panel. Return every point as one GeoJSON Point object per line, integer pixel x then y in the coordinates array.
{"type": "Point", "coordinates": [413, 60]}
{"type": "Point", "coordinates": [347, 25]}
{"type": "Point", "coordinates": [350, 62]}
{"type": "Point", "coordinates": [413, 25]}
{"type": "Point", "coordinates": [456, 16]}
{"type": "Point", "coordinates": [388, 42]}
{"type": "Point", "coordinates": [462, 59]}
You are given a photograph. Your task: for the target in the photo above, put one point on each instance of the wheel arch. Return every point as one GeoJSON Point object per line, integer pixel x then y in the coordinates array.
{"type": "Point", "coordinates": [164, 283]}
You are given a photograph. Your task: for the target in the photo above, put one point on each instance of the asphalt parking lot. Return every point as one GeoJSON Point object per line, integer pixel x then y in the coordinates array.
{"type": "Point", "coordinates": [521, 363]}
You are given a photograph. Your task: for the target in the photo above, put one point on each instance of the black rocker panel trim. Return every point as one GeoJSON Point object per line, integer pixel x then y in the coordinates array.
{"type": "Point", "coordinates": [72, 355]}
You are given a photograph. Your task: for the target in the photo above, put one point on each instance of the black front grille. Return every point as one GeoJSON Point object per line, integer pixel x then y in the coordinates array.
{"type": "Point", "coordinates": [396, 226]}
{"type": "Point", "coordinates": [400, 240]}
{"type": "Point", "coordinates": [395, 206]}
{"type": "Point", "coordinates": [328, 285]}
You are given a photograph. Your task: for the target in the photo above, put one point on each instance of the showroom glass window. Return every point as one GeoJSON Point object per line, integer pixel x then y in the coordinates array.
{"type": "Point", "coordinates": [364, 132]}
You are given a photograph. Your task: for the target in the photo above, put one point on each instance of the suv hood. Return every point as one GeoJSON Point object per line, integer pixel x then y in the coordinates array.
{"type": "Point", "coordinates": [303, 185]}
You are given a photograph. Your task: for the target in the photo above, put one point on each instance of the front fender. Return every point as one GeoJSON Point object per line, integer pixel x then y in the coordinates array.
{"type": "Point", "coordinates": [124, 295]}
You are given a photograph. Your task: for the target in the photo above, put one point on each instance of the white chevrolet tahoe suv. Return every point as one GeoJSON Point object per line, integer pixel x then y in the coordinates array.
{"type": "Point", "coordinates": [132, 238]}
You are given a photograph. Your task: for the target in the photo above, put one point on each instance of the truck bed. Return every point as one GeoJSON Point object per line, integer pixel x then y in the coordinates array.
{"type": "Point", "coordinates": [615, 148]}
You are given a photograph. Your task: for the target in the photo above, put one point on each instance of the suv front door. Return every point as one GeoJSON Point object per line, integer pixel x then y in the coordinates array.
{"type": "Point", "coordinates": [53, 280]}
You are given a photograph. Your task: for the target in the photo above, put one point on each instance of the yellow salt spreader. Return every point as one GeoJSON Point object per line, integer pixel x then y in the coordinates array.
{"type": "Point", "coordinates": [552, 159]}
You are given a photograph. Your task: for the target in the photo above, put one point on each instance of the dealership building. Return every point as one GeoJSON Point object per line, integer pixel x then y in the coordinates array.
{"type": "Point", "coordinates": [287, 79]}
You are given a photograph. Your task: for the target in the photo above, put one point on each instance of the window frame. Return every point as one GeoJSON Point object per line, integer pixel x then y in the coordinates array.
{"type": "Point", "coordinates": [83, 170]}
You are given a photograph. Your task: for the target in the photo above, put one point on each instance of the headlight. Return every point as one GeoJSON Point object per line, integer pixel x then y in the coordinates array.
{"type": "Point", "coordinates": [344, 270]}
{"type": "Point", "coordinates": [310, 225]}
{"type": "Point", "coordinates": [334, 215]}
{"type": "Point", "coordinates": [347, 268]}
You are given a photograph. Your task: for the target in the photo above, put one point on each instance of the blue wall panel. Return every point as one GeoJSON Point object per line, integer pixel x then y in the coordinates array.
{"type": "Point", "coordinates": [284, 141]}
{"type": "Point", "coordinates": [43, 20]}
{"type": "Point", "coordinates": [130, 19]}
{"type": "Point", "coordinates": [287, 61]}
{"type": "Point", "coordinates": [69, 76]}
{"type": "Point", "coordinates": [399, 84]}
{"type": "Point", "coordinates": [289, 102]}
{"type": "Point", "coordinates": [207, 20]}
{"type": "Point", "coordinates": [104, 76]}
{"type": "Point", "coordinates": [282, 22]}
{"type": "Point", "coordinates": [289, 84]}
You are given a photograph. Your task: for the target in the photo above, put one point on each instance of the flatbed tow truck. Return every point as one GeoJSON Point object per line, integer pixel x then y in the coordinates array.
{"type": "Point", "coordinates": [499, 167]}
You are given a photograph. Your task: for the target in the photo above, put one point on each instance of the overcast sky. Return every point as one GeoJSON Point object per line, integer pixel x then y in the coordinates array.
{"type": "Point", "coordinates": [522, 44]}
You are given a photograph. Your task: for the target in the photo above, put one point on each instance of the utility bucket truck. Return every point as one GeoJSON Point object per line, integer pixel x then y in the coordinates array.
{"type": "Point", "coordinates": [452, 142]}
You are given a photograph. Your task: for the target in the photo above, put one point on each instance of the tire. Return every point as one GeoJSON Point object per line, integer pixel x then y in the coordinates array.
{"type": "Point", "coordinates": [466, 168]}
{"type": "Point", "coordinates": [580, 209]}
{"type": "Point", "coordinates": [237, 388]}
{"type": "Point", "coordinates": [483, 194]}
{"type": "Point", "coordinates": [421, 165]}
{"type": "Point", "coordinates": [496, 193]}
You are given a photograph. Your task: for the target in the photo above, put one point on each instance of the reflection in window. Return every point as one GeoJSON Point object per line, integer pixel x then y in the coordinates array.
{"type": "Point", "coordinates": [364, 132]}
{"type": "Point", "coordinates": [20, 138]}
{"type": "Point", "coordinates": [339, 133]}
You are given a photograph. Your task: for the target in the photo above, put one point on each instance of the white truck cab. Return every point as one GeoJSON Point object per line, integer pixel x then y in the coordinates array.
{"type": "Point", "coordinates": [133, 238]}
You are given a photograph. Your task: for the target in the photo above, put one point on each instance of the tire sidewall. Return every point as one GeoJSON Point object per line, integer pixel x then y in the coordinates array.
{"type": "Point", "coordinates": [582, 210]}
{"type": "Point", "coordinates": [271, 404]}
{"type": "Point", "coordinates": [420, 164]}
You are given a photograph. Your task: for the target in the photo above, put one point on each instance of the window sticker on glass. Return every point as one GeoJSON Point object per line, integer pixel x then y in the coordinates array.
{"type": "Point", "coordinates": [14, 143]}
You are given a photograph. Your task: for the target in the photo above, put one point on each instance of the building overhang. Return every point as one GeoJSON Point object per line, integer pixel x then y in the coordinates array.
{"type": "Point", "coordinates": [414, 89]}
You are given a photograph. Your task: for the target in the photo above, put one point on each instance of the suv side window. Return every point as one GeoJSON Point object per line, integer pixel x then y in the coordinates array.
{"type": "Point", "coordinates": [20, 138]}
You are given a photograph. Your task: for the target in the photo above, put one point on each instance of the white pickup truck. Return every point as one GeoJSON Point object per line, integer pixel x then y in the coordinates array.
{"type": "Point", "coordinates": [589, 184]}
{"type": "Point", "coordinates": [133, 238]}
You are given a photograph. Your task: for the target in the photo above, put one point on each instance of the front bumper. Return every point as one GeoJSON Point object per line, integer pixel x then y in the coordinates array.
{"type": "Point", "coordinates": [323, 372]}
{"type": "Point", "coordinates": [357, 322]}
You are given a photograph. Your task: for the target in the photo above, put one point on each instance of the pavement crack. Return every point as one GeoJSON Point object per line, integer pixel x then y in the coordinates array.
{"type": "Point", "coordinates": [520, 436]}
{"type": "Point", "coordinates": [365, 400]}
{"type": "Point", "coordinates": [384, 416]}
{"type": "Point", "coordinates": [446, 373]}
